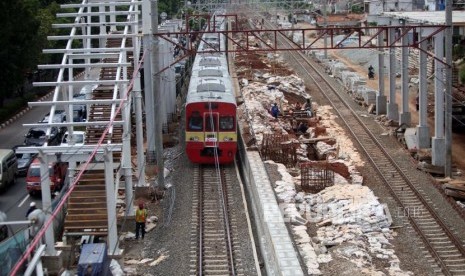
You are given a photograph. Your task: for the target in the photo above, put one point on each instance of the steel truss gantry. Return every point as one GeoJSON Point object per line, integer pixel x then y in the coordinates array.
{"type": "Point", "coordinates": [242, 39]}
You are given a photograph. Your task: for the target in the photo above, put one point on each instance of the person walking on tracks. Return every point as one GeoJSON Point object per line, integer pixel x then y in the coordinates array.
{"type": "Point", "coordinates": [141, 217]}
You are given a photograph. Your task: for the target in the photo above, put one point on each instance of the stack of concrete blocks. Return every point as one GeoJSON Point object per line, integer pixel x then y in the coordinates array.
{"type": "Point", "coordinates": [356, 83]}
{"type": "Point", "coordinates": [337, 69]}
{"type": "Point", "coordinates": [368, 94]}
{"type": "Point", "coordinates": [297, 37]}
{"type": "Point", "coordinates": [320, 55]}
{"type": "Point", "coordinates": [347, 77]}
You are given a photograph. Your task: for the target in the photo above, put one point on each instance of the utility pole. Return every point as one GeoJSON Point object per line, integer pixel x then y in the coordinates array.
{"type": "Point", "coordinates": [325, 25]}
{"type": "Point", "coordinates": [448, 96]}
{"type": "Point", "coordinates": [153, 99]}
{"type": "Point", "coordinates": [157, 95]}
{"type": "Point", "coordinates": [149, 109]}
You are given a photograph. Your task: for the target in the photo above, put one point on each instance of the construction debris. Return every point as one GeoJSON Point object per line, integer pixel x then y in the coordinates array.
{"type": "Point", "coordinates": [455, 189]}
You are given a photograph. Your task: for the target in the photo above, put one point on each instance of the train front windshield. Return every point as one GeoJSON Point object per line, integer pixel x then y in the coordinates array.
{"type": "Point", "coordinates": [195, 122]}
{"type": "Point", "coordinates": [226, 123]}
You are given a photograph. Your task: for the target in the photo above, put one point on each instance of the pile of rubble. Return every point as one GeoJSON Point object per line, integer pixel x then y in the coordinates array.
{"type": "Point", "coordinates": [348, 220]}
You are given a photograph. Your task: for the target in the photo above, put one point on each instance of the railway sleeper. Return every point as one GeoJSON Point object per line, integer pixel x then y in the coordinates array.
{"type": "Point", "coordinates": [460, 262]}
{"type": "Point", "coordinates": [426, 222]}
{"type": "Point", "coordinates": [438, 238]}
{"type": "Point", "coordinates": [440, 242]}
{"type": "Point", "coordinates": [214, 233]}
{"type": "Point", "coordinates": [447, 251]}
{"type": "Point", "coordinates": [456, 266]}
{"type": "Point", "coordinates": [215, 272]}
{"type": "Point", "coordinates": [214, 255]}
{"type": "Point", "coordinates": [434, 231]}
{"type": "Point", "coordinates": [217, 264]}
{"type": "Point", "coordinates": [455, 256]}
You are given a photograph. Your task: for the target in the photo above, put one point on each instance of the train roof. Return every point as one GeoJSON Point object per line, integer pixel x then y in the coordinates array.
{"type": "Point", "coordinates": [210, 79]}
{"type": "Point", "coordinates": [209, 61]}
{"type": "Point", "coordinates": [207, 89]}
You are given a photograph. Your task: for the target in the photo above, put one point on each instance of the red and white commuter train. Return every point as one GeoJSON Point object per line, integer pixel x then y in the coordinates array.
{"type": "Point", "coordinates": [211, 126]}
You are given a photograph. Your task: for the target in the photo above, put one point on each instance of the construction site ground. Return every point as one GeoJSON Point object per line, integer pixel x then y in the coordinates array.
{"type": "Point", "coordinates": [458, 145]}
{"type": "Point", "coordinates": [156, 255]}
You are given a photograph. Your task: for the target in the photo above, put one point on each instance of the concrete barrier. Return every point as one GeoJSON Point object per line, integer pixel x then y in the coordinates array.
{"type": "Point", "coordinates": [275, 242]}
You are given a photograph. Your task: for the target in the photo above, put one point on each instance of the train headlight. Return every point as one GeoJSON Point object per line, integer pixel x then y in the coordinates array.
{"type": "Point", "coordinates": [195, 139]}
{"type": "Point", "coordinates": [227, 139]}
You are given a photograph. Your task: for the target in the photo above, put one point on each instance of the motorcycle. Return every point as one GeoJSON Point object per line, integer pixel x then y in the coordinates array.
{"type": "Point", "coordinates": [371, 73]}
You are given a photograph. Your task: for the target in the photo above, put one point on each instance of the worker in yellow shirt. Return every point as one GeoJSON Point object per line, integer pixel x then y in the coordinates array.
{"type": "Point", "coordinates": [141, 217]}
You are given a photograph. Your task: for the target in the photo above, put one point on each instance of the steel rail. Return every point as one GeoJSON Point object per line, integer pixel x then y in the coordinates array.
{"type": "Point", "coordinates": [363, 142]}
{"type": "Point", "coordinates": [212, 220]}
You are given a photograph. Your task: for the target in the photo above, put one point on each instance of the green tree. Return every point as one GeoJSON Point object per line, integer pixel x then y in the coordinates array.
{"type": "Point", "coordinates": [18, 37]}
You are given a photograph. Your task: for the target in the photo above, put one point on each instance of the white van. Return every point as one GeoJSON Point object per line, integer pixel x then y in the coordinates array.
{"type": "Point", "coordinates": [8, 167]}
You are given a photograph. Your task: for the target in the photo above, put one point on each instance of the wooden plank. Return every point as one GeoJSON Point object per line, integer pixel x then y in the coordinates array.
{"type": "Point", "coordinates": [455, 193]}
{"type": "Point", "coordinates": [101, 233]}
{"type": "Point", "coordinates": [454, 187]}
{"type": "Point", "coordinates": [87, 199]}
{"type": "Point", "coordinates": [86, 224]}
{"type": "Point", "coordinates": [439, 170]}
{"type": "Point", "coordinates": [315, 140]}
{"type": "Point", "coordinates": [94, 209]}
{"type": "Point", "coordinates": [86, 216]}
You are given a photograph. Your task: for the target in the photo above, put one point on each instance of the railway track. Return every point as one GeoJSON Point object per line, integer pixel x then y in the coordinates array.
{"type": "Point", "coordinates": [213, 249]}
{"type": "Point", "coordinates": [443, 245]}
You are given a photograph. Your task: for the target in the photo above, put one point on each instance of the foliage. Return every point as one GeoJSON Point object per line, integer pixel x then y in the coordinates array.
{"type": "Point", "coordinates": [14, 106]}
{"type": "Point", "coordinates": [19, 39]}
{"type": "Point", "coordinates": [357, 9]}
{"type": "Point", "coordinates": [25, 27]}
{"type": "Point", "coordinates": [458, 51]}
{"type": "Point", "coordinates": [172, 8]}
{"type": "Point", "coordinates": [462, 73]}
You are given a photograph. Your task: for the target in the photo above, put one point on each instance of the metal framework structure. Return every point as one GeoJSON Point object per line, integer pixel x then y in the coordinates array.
{"type": "Point", "coordinates": [93, 24]}
{"type": "Point", "coordinates": [241, 39]}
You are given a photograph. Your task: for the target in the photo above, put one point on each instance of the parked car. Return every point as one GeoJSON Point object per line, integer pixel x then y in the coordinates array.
{"type": "Point", "coordinates": [36, 136]}
{"type": "Point", "coordinates": [79, 138]}
{"type": "Point", "coordinates": [24, 160]}
{"type": "Point", "coordinates": [79, 110]}
{"type": "Point", "coordinates": [88, 88]}
{"type": "Point", "coordinates": [58, 117]}
{"type": "Point", "coordinates": [57, 174]}
{"type": "Point", "coordinates": [8, 167]}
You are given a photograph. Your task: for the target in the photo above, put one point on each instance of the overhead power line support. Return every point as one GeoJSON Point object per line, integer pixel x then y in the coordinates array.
{"type": "Point", "coordinates": [159, 100]}
{"type": "Point", "coordinates": [448, 97]}
{"type": "Point", "coordinates": [138, 111]}
{"type": "Point", "coordinates": [149, 99]}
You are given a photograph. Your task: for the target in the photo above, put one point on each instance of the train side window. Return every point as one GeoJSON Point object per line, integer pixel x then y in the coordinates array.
{"type": "Point", "coordinates": [195, 121]}
{"type": "Point", "coordinates": [227, 123]}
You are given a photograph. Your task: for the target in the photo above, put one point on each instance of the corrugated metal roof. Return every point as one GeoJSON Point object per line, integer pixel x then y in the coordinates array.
{"type": "Point", "coordinates": [429, 17]}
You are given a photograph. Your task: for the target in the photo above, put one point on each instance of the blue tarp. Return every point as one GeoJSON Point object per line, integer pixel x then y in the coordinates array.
{"type": "Point", "coordinates": [93, 260]}
{"type": "Point", "coordinates": [11, 251]}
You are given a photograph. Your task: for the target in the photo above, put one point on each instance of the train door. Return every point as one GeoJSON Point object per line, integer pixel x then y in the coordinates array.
{"type": "Point", "coordinates": [211, 128]}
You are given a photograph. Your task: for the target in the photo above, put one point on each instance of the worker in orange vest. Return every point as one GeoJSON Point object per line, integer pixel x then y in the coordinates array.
{"type": "Point", "coordinates": [141, 217]}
